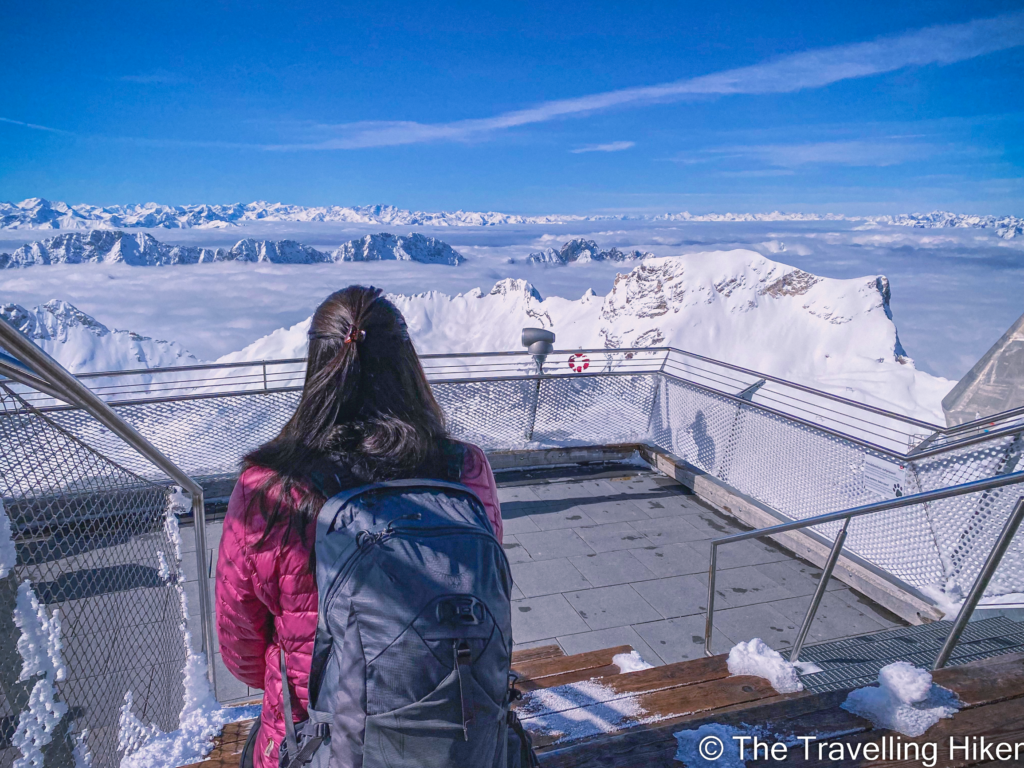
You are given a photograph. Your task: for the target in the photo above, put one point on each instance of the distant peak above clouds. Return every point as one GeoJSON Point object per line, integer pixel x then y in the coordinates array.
{"type": "Point", "coordinates": [143, 250]}
{"type": "Point", "coordinates": [38, 213]}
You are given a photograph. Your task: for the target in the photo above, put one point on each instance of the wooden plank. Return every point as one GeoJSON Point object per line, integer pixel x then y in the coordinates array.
{"type": "Point", "coordinates": [668, 676]}
{"type": "Point", "coordinates": [979, 685]}
{"type": "Point", "coordinates": [535, 654]}
{"type": "Point", "coordinates": [228, 746]}
{"type": "Point", "coordinates": [559, 665]}
{"type": "Point", "coordinates": [646, 747]}
{"type": "Point", "coordinates": [986, 681]}
{"type": "Point", "coordinates": [671, 702]}
{"type": "Point", "coordinates": [1002, 722]}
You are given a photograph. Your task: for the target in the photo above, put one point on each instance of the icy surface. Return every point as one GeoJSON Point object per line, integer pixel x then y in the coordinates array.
{"type": "Point", "coordinates": [566, 712]}
{"type": "Point", "coordinates": [8, 553]}
{"type": "Point", "coordinates": [630, 662]}
{"type": "Point", "coordinates": [905, 700]}
{"type": "Point", "coordinates": [755, 658]}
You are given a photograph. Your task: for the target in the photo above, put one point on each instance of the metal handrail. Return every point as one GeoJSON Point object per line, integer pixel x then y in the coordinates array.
{"type": "Point", "coordinates": [846, 515]}
{"type": "Point", "coordinates": [68, 386]}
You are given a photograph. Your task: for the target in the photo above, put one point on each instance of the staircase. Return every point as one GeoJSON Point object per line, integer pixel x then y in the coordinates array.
{"type": "Point", "coordinates": [628, 720]}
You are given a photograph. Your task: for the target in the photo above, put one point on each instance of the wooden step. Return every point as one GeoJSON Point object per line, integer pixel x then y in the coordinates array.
{"type": "Point", "coordinates": [993, 687]}
{"type": "Point", "coordinates": [674, 703]}
{"type": "Point", "coordinates": [534, 654]}
{"type": "Point", "coordinates": [559, 670]}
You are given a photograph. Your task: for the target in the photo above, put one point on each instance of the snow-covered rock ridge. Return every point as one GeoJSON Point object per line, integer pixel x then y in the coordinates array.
{"type": "Point", "coordinates": [736, 306]}
{"type": "Point", "coordinates": [141, 249]}
{"type": "Point", "coordinates": [582, 251]}
{"type": "Point", "coordinates": [37, 213]}
{"type": "Point", "coordinates": [82, 344]}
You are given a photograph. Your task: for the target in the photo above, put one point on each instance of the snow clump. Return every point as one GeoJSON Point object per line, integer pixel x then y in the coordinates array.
{"type": "Point", "coordinates": [40, 648]}
{"type": "Point", "coordinates": [755, 658]}
{"type": "Point", "coordinates": [630, 662]}
{"type": "Point", "coordinates": [905, 700]}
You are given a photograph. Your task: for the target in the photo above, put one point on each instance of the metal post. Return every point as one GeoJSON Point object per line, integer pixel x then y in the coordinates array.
{"type": "Point", "coordinates": [531, 419]}
{"type": "Point", "coordinates": [995, 557]}
{"type": "Point", "coordinates": [819, 593]}
{"type": "Point", "coordinates": [709, 622]}
{"type": "Point", "coordinates": [45, 367]}
{"type": "Point", "coordinates": [264, 375]}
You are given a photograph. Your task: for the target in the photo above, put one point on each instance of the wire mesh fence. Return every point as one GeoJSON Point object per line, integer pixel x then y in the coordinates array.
{"type": "Point", "coordinates": [88, 511]}
{"type": "Point", "coordinates": [88, 606]}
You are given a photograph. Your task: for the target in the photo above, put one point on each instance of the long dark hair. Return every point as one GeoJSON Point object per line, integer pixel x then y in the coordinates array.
{"type": "Point", "coordinates": [366, 414]}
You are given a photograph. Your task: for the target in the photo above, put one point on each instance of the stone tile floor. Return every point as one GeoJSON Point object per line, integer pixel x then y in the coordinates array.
{"type": "Point", "coordinates": [607, 556]}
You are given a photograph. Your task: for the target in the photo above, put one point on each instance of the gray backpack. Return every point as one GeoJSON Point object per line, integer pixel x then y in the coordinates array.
{"type": "Point", "coordinates": [414, 637]}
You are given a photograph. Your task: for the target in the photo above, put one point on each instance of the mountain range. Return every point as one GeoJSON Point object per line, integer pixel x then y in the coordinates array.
{"type": "Point", "coordinates": [583, 251]}
{"type": "Point", "coordinates": [38, 213]}
{"type": "Point", "coordinates": [83, 344]}
{"type": "Point", "coordinates": [142, 249]}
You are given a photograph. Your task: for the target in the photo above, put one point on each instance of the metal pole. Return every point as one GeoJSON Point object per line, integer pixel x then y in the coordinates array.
{"type": "Point", "coordinates": [819, 593]}
{"type": "Point", "coordinates": [709, 622]}
{"type": "Point", "coordinates": [995, 557]}
{"type": "Point", "coordinates": [531, 419]}
{"type": "Point", "coordinates": [264, 375]}
{"type": "Point", "coordinates": [49, 369]}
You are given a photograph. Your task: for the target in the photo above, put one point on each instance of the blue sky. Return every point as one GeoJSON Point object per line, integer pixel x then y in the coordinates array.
{"type": "Point", "coordinates": [859, 107]}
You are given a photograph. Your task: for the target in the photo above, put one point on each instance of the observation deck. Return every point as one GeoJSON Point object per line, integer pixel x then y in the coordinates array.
{"type": "Point", "coordinates": [628, 485]}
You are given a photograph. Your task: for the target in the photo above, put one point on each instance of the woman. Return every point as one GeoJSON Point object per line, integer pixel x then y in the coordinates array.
{"type": "Point", "coordinates": [366, 414]}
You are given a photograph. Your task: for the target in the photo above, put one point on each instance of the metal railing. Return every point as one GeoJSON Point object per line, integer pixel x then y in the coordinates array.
{"type": "Point", "coordinates": [44, 371]}
{"type": "Point", "coordinates": [992, 561]}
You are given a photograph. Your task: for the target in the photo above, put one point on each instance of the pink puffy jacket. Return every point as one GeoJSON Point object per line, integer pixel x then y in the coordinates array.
{"type": "Point", "coordinates": [267, 599]}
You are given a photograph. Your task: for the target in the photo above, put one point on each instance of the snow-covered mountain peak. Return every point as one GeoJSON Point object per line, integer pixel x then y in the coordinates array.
{"type": "Point", "coordinates": [580, 250]}
{"type": "Point", "coordinates": [142, 249]}
{"type": "Point", "coordinates": [512, 286]}
{"type": "Point", "coordinates": [388, 247]}
{"type": "Point", "coordinates": [39, 213]}
{"type": "Point", "coordinates": [83, 344]}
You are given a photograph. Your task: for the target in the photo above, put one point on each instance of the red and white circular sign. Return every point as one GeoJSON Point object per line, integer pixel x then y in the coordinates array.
{"type": "Point", "coordinates": [579, 363]}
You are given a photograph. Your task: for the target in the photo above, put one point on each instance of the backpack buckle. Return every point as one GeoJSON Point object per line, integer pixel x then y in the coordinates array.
{"type": "Point", "coordinates": [460, 610]}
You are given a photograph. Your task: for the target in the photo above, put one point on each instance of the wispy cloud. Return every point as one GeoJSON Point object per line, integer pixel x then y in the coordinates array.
{"type": "Point", "coordinates": [880, 153]}
{"type": "Point", "coordinates": [936, 45]}
{"type": "Point", "coordinates": [810, 69]}
{"type": "Point", "coordinates": [614, 146]}
{"type": "Point", "coordinates": [35, 127]}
